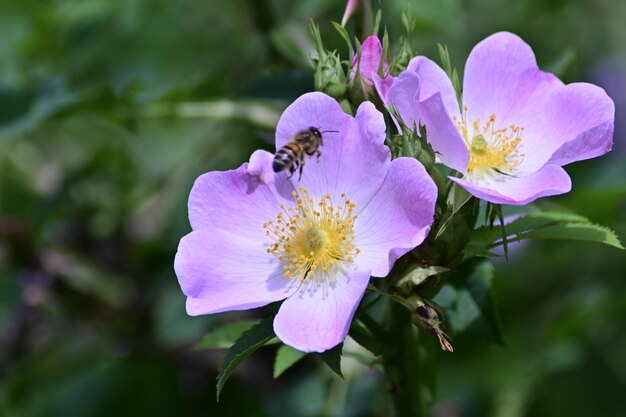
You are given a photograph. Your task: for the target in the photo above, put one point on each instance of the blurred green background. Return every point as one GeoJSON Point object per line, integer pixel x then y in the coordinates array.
{"type": "Point", "coordinates": [108, 112]}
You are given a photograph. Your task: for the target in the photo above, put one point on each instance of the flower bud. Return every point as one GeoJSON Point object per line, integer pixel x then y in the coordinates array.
{"type": "Point", "coordinates": [368, 63]}
{"type": "Point", "coordinates": [329, 75]}
{"type": "Point", "coordinates": [351, 6]}
{"type": "Point", "coordinates": [426, 317]}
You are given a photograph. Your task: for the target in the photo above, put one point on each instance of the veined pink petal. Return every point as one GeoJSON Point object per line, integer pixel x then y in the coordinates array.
{"type": "Point", "coordinates": [442, 133]}
{"type": "Point", "coordinates": [576, 123]}
{"type": "Point", "coordinates": [433, 80]}
{"type": "Point", "coordinates": [260, 166]}
{"type": "Point", "coordinates": [223, 271]}
{"type": "Point", "coordinates": [403, 96]}
{"type": "Point", "coordinates": [353, 161]}
{"type": "Point", "coordinates": [382, 86]}
{"type": "Point", "coordinates": [550, 180]}
{"type": "Point", "coordinates": [318, 316]}
{"type": "Point", "coordinates": [502, 78]}
{"type": "Point", "coordinates": [217, 195]}
{"type": "Point", "coordinates": [397, 219]}
{"type": "Point", "coordinates": [423, 94]}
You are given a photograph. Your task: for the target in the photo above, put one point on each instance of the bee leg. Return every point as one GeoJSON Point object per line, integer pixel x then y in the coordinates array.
{"type": "Point", "coordinates": [301, 168]}
{"type": "Point", "coordinates": [318, 154]}
{"type": "Point", "coordinates": [293, 168]}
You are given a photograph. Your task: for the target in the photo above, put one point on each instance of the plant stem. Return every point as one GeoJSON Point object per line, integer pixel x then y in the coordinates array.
{"type": "Point", "coordinates": [403, 363]}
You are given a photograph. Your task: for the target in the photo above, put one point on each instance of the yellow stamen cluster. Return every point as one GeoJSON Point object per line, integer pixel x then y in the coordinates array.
{"type": "Point", "coordinates": [490, 148]}
{"type": "Point", "coordinates": [311, 236]}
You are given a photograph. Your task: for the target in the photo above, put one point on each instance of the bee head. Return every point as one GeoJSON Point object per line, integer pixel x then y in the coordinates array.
{"type": "Point", "coordinates": [315, 132]}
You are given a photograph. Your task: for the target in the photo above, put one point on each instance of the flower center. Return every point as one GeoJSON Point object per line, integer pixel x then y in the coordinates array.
{"type": "Point", "coordinates": [311, 236]}
{"type": "Point", "coordinates": [490, 149]}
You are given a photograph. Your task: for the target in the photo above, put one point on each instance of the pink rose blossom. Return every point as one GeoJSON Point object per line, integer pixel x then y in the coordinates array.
{"type": "Point", "coordinates": [517, 126]}
{"type": "Point", "coordinates": [260, 237]}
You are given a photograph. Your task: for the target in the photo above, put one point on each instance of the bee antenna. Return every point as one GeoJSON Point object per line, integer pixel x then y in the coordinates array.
{"type": "Point", "coordinates": [330, 131]}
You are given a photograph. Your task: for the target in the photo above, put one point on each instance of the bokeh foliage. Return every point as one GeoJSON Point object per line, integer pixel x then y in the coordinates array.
{"type": "Point", "coordinates": [108, 112]}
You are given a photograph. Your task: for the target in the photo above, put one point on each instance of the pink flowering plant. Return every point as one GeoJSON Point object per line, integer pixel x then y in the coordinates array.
{"type": "Point", "coordinates": [372, 220]}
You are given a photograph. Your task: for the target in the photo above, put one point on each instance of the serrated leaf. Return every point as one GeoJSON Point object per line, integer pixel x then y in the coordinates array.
{"type": "Point", "coordinates": [485, 235]}
{"type": "Point", "coordinates": [575, 231]}
{"type": "Point", "coordinates": [223, 337]}
{"type": "Point", "coordinates": [286, 357]}
{"type": "Point", "coordinates": [250, 341]}
{"type": "Point", "coordinates": [468, 302]}
{"type": "Point", "coordinates": [416, 275]}
{"type": "Point", "coordinates": [332, 358]}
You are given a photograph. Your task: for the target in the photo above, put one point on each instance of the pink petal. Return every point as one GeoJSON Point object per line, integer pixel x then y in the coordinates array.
{"type": "Point", "coordinates": [312, 110]}
{"type": "Point", "coordinates": [318, 316]}
{"type": "Point", "coordinates": [502, 78]}
{"type": "Point", "coordinates": [398, 217]}
{"type": "Point", "coordinates": [353, 161]}
{"type": "Point", "coordinates": [403, 96]}
{"type": "Point", "coordinates": [550, 180]}
{"type": "Point", "coordinates": [382, 86]}
{"type": "Point", "coordinates": [443, 134]}
{"type": "Point", "coordinates": [576, 123]}
{"type": "Point", "coordinates": [260, 166]}
{"type": "Point", "coordinates": [433, 80]}
{"type": "Point", "coordinates": [222, 271]}
{"type": "Point", "coordinates": [237, 201]}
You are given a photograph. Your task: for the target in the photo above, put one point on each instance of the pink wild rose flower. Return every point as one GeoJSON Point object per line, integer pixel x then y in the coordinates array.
{"type": "Point", "coordinates": [260, 237]}
{"type": "Point", "coordinates": [517, 125]}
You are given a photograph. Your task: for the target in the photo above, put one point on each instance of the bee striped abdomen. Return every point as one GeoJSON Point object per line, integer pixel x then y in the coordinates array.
{"type": "Point", "coordinates": [286, 156]}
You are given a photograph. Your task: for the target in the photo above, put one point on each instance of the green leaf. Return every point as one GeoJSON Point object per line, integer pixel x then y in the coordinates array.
{"type": "Point", "coordinates": [484, 236]}
{"type": "Point", "coordinates": [286, 357]}
{"type": "Point", "coordinates": [468, 302]}
{"type": "Point", "coordinates": [416, 275]}
{"type": "Point", "coordinates": [545, 225]}
{"type": "Point", "coordinates": [223, 337]}
{"type": "Point", "coordinates": [332, 358]}
{"type": "Point", "coordinates": [575, 231]}
{"type": "Point", "coordinates": [250, 341]}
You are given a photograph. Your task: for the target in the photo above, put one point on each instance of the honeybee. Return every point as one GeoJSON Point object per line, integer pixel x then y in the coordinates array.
{"type": "Point", "coordinates": [305, 142]}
